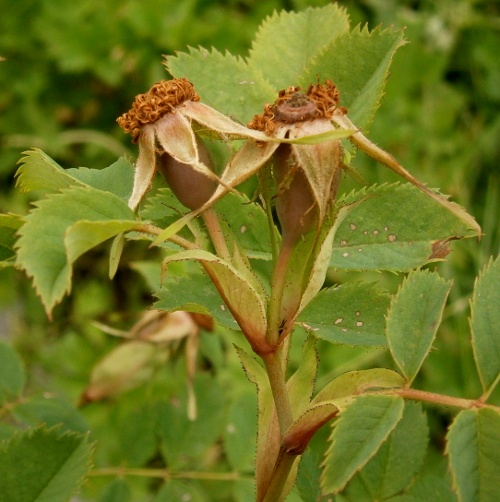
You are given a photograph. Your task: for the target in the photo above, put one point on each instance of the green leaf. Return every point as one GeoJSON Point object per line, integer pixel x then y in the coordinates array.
{"type": "Point", "coordinates": [194, 293]}
{"type": "Point", "coordinates": [185, 442]}
{"type": "Point", "coordinates": [394, 227]}
{"type": "Point", "coordinates": [308, 477]}
{"type": "Point", "coordinates": [241, 432]}
{"type": "Point", "coordinates": [474, 456]}
{"type": "Point", "coordinates": [54, 235]}
{"type": "Point", "coordinates": [175, 489]}
{"type": "Point", "coordinates": [12, 374]}
{"type": "Point", "coordinates": [485, 325]}
{"type": "Point", "coordinates": [351, 313]}
{"type": "Point", "coordinates": [357, 435]}
{"type": "Point", "coordinates": [358, 382]}
{"type": "Point", "coordinates": [50, 411]}
{"type": "Point", "coordinates": [116, 491]}
{"type": "Point", "coordinates": [9, 225]}
{"type": "Point", "coordinates": [43, 465]}
{"type": "Point", "coordinates": [39, 172]}
{"type": "Point", "coordinates": [224, 81]}
{"type": "Point", "coordinates": [413, 319]}
{"type": "Point", "coordinates": [399, 458]}
{"type": "Point", "coordinates": [118, 178]}
{"type": "Point", "coordinates": [248, 221]}
{"type": "Point", "coordinates": [243, 297]}
{"type": "Point", "coordinates": [287, 41]}
{"type": "Point", "coordinates": [360, 79]}
{"type": "Point", "coordinates": [301, 384]}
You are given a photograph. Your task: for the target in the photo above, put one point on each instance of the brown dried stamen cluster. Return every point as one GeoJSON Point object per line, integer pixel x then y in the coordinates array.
{"type": "Point", "coordinates": [164, 97]}
{"type": "Point", "coordinates": [319, 101]}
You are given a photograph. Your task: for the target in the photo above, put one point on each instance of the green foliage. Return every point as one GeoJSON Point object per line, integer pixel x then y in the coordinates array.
{"type": "Point", "coordinates": [357, 436]}
{"type": "Point", "coordinates": [484, 325]}
{"type": "Point", "coordinates": [474, 457]}
{"type": "Point", "coordinates": [413, 318]}
{"type": "Point", "coordinates": [170, 402]}
{"type": "Point", "coordinates": [55, 470]}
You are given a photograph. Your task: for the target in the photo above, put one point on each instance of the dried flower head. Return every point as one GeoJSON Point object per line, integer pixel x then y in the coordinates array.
{"type": "Point", "coordinates": [320, 101]}
{"type": "Point", "coordinates": [164, 97]}
{"type": "Point", "coordinates": [161, 122]}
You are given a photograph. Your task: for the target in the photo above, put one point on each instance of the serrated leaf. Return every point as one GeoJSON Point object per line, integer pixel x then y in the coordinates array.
{"type": "Point", "coordinates": [399, 459]}
{"type": "Point", "coordinates": [117, 178]}
{"type": "Point", "coordinates": [185, 442]}
{"type": "Point", "coordinates": [39, 172]}
{"type": "Point", "coordinates": [413, 319]}
{"type": "Point", "coordinates": [9, 224]}
{"type": "Point", "coordinates": [308, 477]}
{"type": "Point", "coordinates": [394, 227]}
{"type": "Point", "coordinates": [42, 247]}
{"type": "Point", "coordinates": [240, 433]}
{"type": "Point", "coordinates": [244, 298]}
{"type": "Point", "coordinates": [50, 411]}
{"type": "Point", "coordinates": [474, 456]}
{"type": "Point", "coordinates": [358, 382]}
{"type": "Point", "coordinates": [43, 465]}
{"type": "Point", "coordinates": [223, 81]}
{"type": "Point", "coordinates": [485, 325]}
{"type": "Point", "coordinates": [194, 293]}
{"type": "Point", "coordinates": [12, 373]}
{"type": "Point", "coordinates": [287, 41]}
{"type": "Point", "coordinates": [351, 313]}
{"type": "Point", "coordinates": [360, 79]}
{"type": "Point", "coordinates": [248, 221]}
{"type": "Point", "coordinates": [356, 437]}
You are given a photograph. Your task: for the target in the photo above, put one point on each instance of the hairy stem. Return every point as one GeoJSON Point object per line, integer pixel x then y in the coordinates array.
{"type": "Point", "coordinates": [431, 397]}
{"type": "Point", "coordinates": [165, 473]}
{"type": "Point", "coordinates": [212, 223]}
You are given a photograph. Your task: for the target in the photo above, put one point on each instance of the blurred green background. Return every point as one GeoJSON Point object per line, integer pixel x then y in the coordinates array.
{"type": "Point", "coordinates": [69, 69]}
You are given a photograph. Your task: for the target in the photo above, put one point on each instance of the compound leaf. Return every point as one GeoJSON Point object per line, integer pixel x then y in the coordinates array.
{"type": "Point", "coordinates": [54, 235]}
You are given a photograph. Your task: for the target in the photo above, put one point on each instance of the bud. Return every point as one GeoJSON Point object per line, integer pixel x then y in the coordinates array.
{"type": "Point", "coordinates": [295, 205]}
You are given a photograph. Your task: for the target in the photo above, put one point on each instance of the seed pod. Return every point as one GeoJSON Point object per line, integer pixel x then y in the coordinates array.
{"type": "Point", "coordinates": [189, 185]}
{"type": "Point", "coordinates": [295, 205]}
